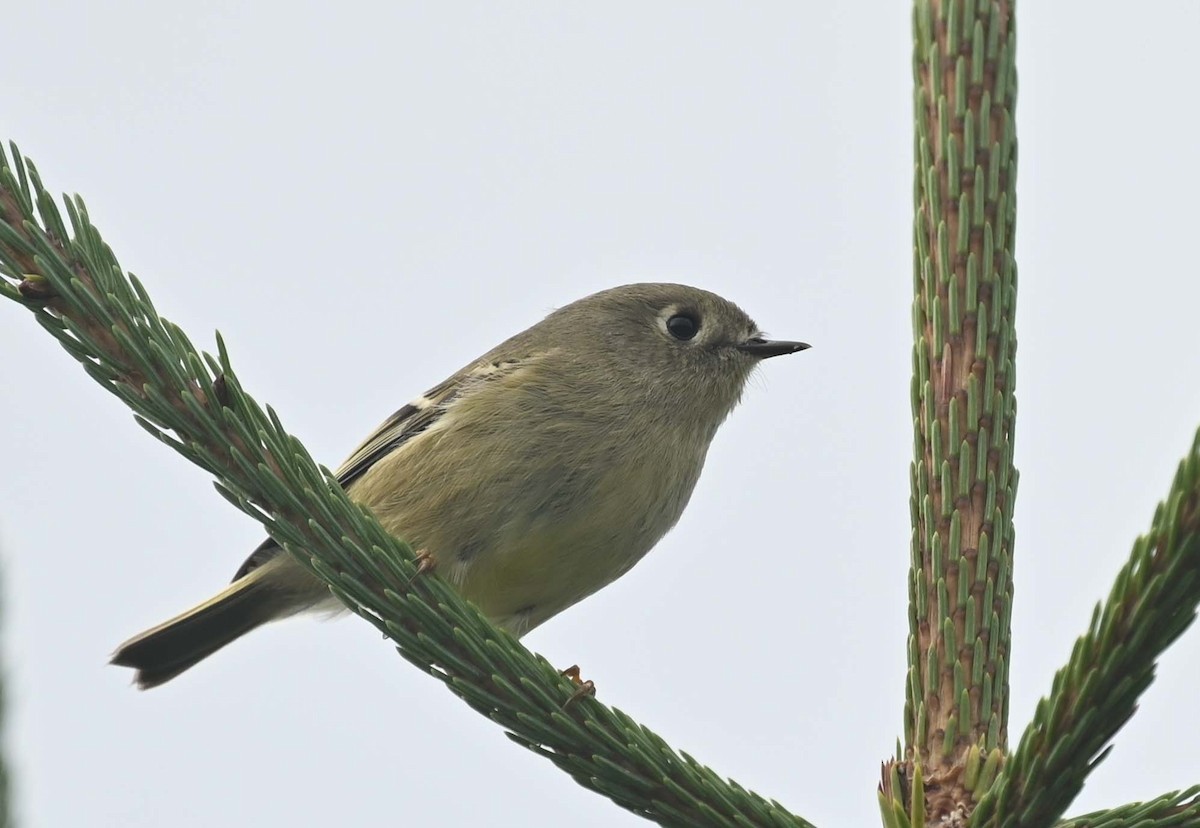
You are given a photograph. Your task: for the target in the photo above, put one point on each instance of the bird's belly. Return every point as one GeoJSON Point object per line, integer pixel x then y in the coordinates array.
{"type": "Point", "coordinates": [542, 562]}
{"type": "Point", "coordinates": [535, 572]}
{"type": "Point", "coordinates": [525, 543]}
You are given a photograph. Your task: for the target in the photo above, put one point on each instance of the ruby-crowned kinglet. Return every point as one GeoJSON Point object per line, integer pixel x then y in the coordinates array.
{"type": "Point", "coordinates": [534, 476]}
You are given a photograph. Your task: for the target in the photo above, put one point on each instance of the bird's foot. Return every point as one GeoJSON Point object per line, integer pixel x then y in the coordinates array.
{"type": "Point", "coordinates": [584, 687]}
{"type": "Point", "coordinates": [425, 562]}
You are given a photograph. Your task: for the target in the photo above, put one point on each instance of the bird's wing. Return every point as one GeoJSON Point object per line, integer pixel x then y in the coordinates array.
{"type": "Point", "coordinates": [408, 422]}
{"type": "Point", "coordinates": [420, 414]}
{"type": "Point", "coordinates": [396, 430]}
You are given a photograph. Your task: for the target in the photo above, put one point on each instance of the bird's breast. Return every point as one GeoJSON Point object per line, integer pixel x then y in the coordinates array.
{"type": "Point", "coordinates": [571, 530]}
{"type": "Point", "coordinates": [529, 511]}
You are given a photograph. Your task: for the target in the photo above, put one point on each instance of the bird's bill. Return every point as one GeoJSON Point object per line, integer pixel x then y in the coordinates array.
{"type": "Point", "coordinates": [766, 348]}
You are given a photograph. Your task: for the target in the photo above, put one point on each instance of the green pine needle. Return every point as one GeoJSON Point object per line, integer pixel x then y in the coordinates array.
{"type": "Point", "coordinates": [68, 277]}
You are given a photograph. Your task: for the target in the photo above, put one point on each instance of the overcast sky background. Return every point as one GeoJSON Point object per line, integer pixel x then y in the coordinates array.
{"type": "Point", "coordinates": [364, 196]}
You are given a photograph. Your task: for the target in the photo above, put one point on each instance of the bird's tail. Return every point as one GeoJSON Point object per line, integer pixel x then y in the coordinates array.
{"type": "Point", "coordinates": [163, 652]}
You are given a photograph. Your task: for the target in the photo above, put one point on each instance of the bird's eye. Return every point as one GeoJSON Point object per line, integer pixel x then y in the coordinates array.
{"type": "Point", "coordinates": [683, 326]}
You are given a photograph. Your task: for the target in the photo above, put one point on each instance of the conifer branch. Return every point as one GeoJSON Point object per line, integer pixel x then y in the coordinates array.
{"type": "Point", "coordinates": [954, 764]}
{"type": "Point", "coordinates": [963, 482]}
{"type": "Point", "coordinates": [1178, 809]}
{"type": "Point", "coordinates": [1154, 599]}
{"type": "Point", "coordinates": [69, 278]}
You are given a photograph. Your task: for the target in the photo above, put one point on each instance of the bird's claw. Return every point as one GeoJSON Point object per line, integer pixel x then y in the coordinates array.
{"type": "Point", "coordinates": [584, 687]}
{"type": "Point", "coordinates": [425, 563]}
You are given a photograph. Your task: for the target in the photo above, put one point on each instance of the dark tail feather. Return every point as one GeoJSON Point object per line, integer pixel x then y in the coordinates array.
{"type": "Point", "coordinates": [163, 652]}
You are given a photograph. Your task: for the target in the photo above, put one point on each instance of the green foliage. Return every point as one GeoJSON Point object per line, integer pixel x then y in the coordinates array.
{"type": "Point", "coordinates": [963, 481]}
{"type": "Point", "coordinates": [953, 767]}
{"type": "Point", "coordinates": [193, 402]}
{"type": "Point", "coordinates": [964, 484]}
{"type": "Point", "coordinates": [1179, 809]}
{"type": "Point", "coordinates": [1154, 599]}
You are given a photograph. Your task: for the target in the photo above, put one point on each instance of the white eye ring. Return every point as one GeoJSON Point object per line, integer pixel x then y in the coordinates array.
{"type": "Point", "coordinates": [682, 325]}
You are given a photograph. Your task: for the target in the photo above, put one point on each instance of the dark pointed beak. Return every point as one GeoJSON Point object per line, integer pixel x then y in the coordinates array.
{"type": "Point", "coordinates": [766, 348]}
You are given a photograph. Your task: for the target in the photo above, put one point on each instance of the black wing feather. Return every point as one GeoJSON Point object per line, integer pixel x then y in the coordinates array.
{"type": "Point", "coordinates": [395, 431]}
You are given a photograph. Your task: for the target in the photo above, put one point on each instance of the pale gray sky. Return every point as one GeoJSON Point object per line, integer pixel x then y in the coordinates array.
{"type": "Point", "coordinates": [363, 196]}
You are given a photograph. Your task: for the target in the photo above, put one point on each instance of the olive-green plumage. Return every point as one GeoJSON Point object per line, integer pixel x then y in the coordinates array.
{"type": "Point", "coordinates": [533, 477]}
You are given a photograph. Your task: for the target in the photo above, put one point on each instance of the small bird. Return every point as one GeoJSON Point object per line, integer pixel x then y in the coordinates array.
{"type": "Point", "coordinates": [531, 478]}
